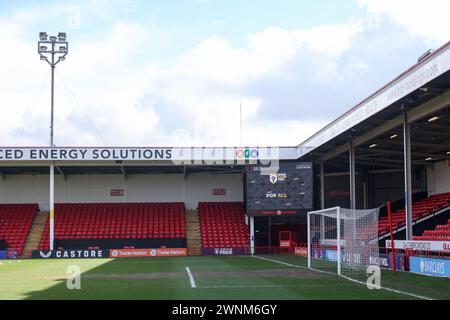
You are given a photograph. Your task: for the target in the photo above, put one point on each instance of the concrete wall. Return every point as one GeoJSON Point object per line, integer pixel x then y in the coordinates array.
{"type": "Point", "coordinates": [138, 188]}
{"type": "Point", "coordinates": [438, 178]}
{"type": "Point", "coordinates": [199, 187]}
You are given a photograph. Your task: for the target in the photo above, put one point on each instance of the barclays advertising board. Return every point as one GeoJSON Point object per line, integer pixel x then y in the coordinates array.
{"type": "Point", "coordinates": [430, 267]}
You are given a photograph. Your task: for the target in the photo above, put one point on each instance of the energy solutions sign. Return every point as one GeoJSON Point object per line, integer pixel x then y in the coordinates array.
{"type": "Point", "coordinates": [178, 155]}
{"type": "Point", "coordinates": [46, 154]}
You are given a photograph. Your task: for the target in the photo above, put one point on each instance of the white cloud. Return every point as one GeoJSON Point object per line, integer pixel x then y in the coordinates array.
{"type": "Point", "coordinates": [290, 82]}
{"type": "Point", "coordinates": [427, 19]}
{"type": "Point", "coordinates": [267, 51]}
{"type": "Point", "coordinates": [210, 82]}
{"type": "Point", "coordinates": [104, 81]}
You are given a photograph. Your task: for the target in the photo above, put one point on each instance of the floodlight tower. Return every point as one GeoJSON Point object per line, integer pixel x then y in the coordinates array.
{"type": "Point", "coordinates": [53, 50]}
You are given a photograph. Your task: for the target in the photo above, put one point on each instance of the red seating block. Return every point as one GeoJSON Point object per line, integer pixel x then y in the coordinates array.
{"type": "Point", "coordinates": [421, 209]}
{"type": "Point", "coordinates": [222, 224]}
{"type": "Point", "coordinates": [15, 224]}
{"type": "Point", "coordinates": [117, 221]}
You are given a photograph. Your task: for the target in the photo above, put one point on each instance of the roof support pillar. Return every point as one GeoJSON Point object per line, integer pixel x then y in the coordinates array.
{"type": "Point", "coordinates": [322, 186]}
{"type": "Point", "coordinates": [124, 173]}
{"type": "Point", "coordinates": [352, 176]}
{"type": "Point", "coordinates": [322, 199]}
{"type": "Point", "coordinates": [61, 172]}
{"type": "Point", "coordinates": [407, 173]}
{"type": "Point", "coordinates": [184, 172]}
{"type": "Point", "coordinates": [252, 234]}
{"type": "Point", "coordinates": [365, 191]}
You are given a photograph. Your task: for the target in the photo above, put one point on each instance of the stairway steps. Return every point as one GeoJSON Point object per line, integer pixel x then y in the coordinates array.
{"type": "Point", "coordinates": [34, 236]}
{"type": "Point", "coordinates": [193, 234]}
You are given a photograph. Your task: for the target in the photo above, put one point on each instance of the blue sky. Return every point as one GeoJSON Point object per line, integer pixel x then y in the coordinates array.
{"type": "Point", "coordinates": [175, 72]}
{"type": "Point", "coordinates": [194, 19]}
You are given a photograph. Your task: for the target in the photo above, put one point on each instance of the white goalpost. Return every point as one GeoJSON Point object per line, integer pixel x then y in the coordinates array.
{"type": "Point", "coordinates": [343, 241]}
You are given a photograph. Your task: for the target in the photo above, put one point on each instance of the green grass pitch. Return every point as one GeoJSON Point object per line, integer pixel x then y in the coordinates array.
{"type": "Point", "coordinates": [166, 278]}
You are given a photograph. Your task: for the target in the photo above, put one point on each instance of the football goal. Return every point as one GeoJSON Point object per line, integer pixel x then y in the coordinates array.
{"type": "Point", "coordinates": [343, 241]}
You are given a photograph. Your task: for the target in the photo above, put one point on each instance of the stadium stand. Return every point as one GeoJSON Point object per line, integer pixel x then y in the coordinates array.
{"type": "Point", "coordinates": [92, 221]}
{"type": "Point", "coordinates": [222, 225]}
{"type": "Point", "coordinates": [440, 233]}
{"type": "Point", "coordinates": [15, 223]}
{"type": "Point", "coordinates": [421, 209]}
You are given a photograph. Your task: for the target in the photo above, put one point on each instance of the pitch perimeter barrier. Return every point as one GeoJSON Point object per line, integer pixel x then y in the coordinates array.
{"type": "Point", "coordinates": [228, 251]}
{"type": "Point", "coordinates": [142, 253]}
{"type": "Point", "coordinates": [224, 251]}
{"type": "Point", "coordinates": [385, 261]}
{"type": "Point", "coordinates": [70, 254]}
{"type": "Point", "coordinates": [430, 267]}
{"type": "Point", "coordinates": [8, 254]}
{"type": "Point", "coordinates": [419, 253]}
{"type": "Point", "coordinates": [3, 245]}
{"type": "Point", "coordinates": [108, 253]}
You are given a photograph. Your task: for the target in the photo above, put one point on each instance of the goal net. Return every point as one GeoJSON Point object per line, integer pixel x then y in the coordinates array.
{"type": "Point", "coordinates": [343, 241]}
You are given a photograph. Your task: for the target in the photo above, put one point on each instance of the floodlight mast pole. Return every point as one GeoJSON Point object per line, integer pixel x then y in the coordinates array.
{"type": "Point", "coordinates": [44, 53]}
{"type": "Point", "coordinates": [52, 163]}
{"type": "Point", "coordinates": [52, 105]}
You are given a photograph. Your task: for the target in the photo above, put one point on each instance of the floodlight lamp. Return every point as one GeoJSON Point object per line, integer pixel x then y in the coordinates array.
{"type": "Point", "coordinates": [43, 58]}
{"type": "Point", "coordinates": [62, 49]}
{"type": "Point", "coordinates": [43, 36]}
{"type": "Point", "coordinates": [62, 36]}
{"type": "Point", "coordinates": [43, 48]}
{"type": "Point", "coordinates": [53, 39]}
{"type": "Point", "coordinates": [434, 119]}
{"type": "Point", "coordinates": [62, 58]}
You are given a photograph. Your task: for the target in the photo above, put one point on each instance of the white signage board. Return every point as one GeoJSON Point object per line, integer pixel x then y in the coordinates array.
{"type": "Point", "coordinates": [177, 155]}
{"type": "Point", "coordinates": [420, 245]}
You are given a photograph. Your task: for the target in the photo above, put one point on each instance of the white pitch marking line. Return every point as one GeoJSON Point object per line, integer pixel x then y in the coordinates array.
{"type": "Point", "coordinates": [280, 262]}
{"type": "Point", "coordinates": [191, 278]}
{"type": "Point", "coordinates": [271, 286]}
{"type": "Point", "coordinates": [353, 280]}
{"type": "Point", "coordinates": [392, 290]}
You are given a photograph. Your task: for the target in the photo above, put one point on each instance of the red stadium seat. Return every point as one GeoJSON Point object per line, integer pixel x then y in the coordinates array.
{"type": "Point", "coordinates": [421, 209]}
{"type": "Point", "coordinates": [15, 224]}
{"type": "Point", "coordinates": [90, 221]}
{"type": "Point", "coordinates": [222, 224]}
